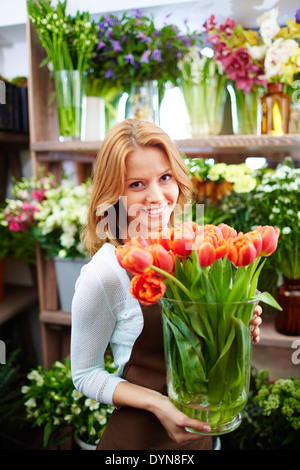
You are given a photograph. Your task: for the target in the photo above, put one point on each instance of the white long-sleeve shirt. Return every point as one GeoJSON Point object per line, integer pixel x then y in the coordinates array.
{"type": "Point", "coordinates": [103, 312]}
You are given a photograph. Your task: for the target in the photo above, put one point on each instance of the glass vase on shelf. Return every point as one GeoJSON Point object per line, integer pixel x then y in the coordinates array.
{"type": "Point", "coordinates": [275, 110]}
{"type": "Point", "coordinates": [208, 352]}
{"type": "Point", "coordinates": [244, 109]}
{"type": "Point", "coordinates": [143, 102]}
{"type": "Point", "coordinates": [70, 90]}
{"type": "Point", "coordinates": [205, 102]}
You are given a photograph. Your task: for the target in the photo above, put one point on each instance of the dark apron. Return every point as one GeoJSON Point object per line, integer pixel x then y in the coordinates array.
{"type": "Point", "coordinates": [134, 429]}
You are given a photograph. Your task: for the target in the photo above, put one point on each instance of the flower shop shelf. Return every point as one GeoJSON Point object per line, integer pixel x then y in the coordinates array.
{"type": "Point", "coordinates": [236, 146]}
{"type": "Point", "coordinates": [17, 299]}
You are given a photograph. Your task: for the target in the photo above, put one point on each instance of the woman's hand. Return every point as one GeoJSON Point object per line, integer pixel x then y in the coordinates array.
{"type": "Point", "coordinates": [175, 422]}
{"type": "Point", "coordinates": [255, 322]}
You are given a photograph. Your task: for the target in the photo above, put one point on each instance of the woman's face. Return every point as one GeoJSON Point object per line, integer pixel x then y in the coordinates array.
{"type": "Point", "coordinates": [151, 191]}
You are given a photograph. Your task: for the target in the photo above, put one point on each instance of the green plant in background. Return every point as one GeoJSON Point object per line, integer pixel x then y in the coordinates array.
{"type": "Point", "coordinates": [271, 416]}
{"type": "Point", "coordinates": [53, 404]}
{"type": "Point", "coordinates": [276, 202]}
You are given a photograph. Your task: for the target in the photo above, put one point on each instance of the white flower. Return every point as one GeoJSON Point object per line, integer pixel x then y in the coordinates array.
{"type": "Point", "coordinates": [268, 29]}
{"type": "Point", "coordinates": [271, 14]}
{"type": "Point", "coordinates": [286, 230]}
{"type": "Point", "coordinates": [92, 404]}
{"type": "Point", "coordinates": [35, 375]}
{"type": "Point", "coordinates": [257, 52]}
{"type": "Point", "coordinates": [277, 55]}
{"type": "Point", "coordinates": [31, 403]}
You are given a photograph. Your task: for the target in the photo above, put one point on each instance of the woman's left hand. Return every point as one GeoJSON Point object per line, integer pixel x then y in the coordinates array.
{"type": "Point", "coordinates": [255, 322]}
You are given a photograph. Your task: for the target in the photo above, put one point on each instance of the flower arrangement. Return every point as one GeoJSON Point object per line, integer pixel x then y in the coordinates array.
{"type": "Point", "coordinates": [52, 402]}
{"type": "Point", "coordinates": [206, 278]}
{"type": "Point", "coordinates": [69, 42]}
{"type": "Point", "coordinates": [49, 213]}
{"type": "Point", "coordinates": [276, 200]}
{"type": "Point", "coordinates": [229, 41]}
{"type": "Point", "coordinates": [203, 83]}
{"type": "Point", "coordinates": [131, 50]}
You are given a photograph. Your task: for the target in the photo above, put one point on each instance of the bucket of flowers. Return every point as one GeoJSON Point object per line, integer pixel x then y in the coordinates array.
{"type": "Point", "coordinates": [206, 280]}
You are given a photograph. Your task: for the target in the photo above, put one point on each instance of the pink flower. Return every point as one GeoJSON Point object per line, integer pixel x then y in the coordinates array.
{"type": "Point", "coordinates": [14, 226]}
{"type": "Point", "coordinates": [228, 27]}
{"type": "Point", "coordinates": [38, 194]}
{"type": "Point", "coordinates": [210, 23]}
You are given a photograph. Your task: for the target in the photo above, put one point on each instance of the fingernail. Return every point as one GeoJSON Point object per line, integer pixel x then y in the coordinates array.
{"type": "Point", "coordinates": [206, 428]}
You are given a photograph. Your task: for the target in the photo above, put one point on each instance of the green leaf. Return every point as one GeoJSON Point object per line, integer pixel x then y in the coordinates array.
{"type": "Point", "coordinates": [268, 299]}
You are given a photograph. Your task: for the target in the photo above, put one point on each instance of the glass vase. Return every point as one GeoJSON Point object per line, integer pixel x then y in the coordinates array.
{"type": "Point", "coordinates": [275, 110]}
{"type": "Point", "coordinates": [70, 89]}
{"type": "Point", "coordinates": [143, 102]}
{"type": "Point", "coordinates": [287, 321]}
{"type": "Point", "coordinates": [208, 352]}
{"type": "Point", "coordinates": [244, 110]}
{"type": "Point", "coordinates": [205, 102]}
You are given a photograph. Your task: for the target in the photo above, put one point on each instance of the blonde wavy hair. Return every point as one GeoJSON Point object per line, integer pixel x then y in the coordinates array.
{"type": "Point", "coordinates": [109, 177]}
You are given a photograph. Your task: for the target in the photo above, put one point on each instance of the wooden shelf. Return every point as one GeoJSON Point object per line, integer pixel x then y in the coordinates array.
{"type": "Point", "coordinates": [270, 337]}
{"type": "Point", "coordinates": [56, 317]}
{"type": "Point", "coordinates": [17, 299]}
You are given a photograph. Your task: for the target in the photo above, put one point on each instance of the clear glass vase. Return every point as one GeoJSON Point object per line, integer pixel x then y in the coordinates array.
{"type": "Point", "coordinates": [208, 352]}
{"type": "Point", "coordinates": [205, 103]}
{"type": "Point", "coordinates": [244, 110]}
{"type": "Point", "coordinates": [70, 89]}
{"type": "Point", "coordinates": [143, 102]}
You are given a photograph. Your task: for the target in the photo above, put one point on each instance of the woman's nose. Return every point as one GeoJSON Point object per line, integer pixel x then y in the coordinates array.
{"type": "Point", "coordinates": [154, 194]}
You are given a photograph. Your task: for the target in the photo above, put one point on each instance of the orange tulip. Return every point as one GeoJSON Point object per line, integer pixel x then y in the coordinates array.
{"type": "Point", "coordinates": [241, 250]}
{"type": "Point", "coordinates": [213, 235]}
{"type": "Point", "coordinates": [181, 241]}
{"type": "Point", "coordinates": [227, 231]}
{"type": "Point", "coordinates": [256, 239]}
{"type": "Point", "coordinates": [161, 236]}
{"type": "Point", "coordinates": [162, 258]}
{"type": "Point", "coordinates": [137, 241]}
{"type": "Point", "coordinates": [206, 254]}
{"type": "Point", "coordinates": [269, 237]}
{"type": "Point", "coordinates": [147, 288]}
{"type": "Point", "coordinates": [134, 259]}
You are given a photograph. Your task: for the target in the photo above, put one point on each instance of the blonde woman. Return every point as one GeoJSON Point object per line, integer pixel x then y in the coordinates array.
{"type": "Point", "coordinates": [139, 180]}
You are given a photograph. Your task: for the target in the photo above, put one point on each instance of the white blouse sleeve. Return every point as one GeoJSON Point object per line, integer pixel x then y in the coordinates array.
{"type": "Point", "coordinates": [93, 323]}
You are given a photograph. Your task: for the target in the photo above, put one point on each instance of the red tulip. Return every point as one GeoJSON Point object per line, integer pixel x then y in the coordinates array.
{"type": "Point", "coordinates": [134, 259]}
{"type": "Point", "coordinates": [269, 237]}
{"type": "Point", "coordinates": [161, 236]}
{"type": "Point", "coordinates": [147, 288]}
{"type": "Point", "coordinates": [241, 250]}
{"type": "Point", "coordinates": [162, 258]}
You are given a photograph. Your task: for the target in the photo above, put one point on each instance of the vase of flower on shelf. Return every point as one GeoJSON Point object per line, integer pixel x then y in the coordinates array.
{"type": "Point", "coordinates": [287, 321]}
{"type": "Point", "coordinates": [206, 328]}
{"type": "Point", "coordinates": [244, 109]}
{"type": "Point", "coordinates": [143, 102]}
{"type": "Point", "coordinates": [69, 43]}
{"type": "Point", "coordinates": [203, 87]}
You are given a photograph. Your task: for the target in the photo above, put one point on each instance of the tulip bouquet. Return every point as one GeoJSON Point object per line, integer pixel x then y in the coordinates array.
{"type": "Point", "coordinates": [206, 279]}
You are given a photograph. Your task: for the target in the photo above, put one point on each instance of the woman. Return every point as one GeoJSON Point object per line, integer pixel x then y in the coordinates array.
{"type": "Point", "coordinates": [139, 181]}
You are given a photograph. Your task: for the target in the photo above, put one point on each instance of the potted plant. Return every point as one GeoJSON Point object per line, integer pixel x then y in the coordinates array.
{"type": "Point", "coordinates": [53, 404]}
{"type": "Point", "coordinates": [52, 214]}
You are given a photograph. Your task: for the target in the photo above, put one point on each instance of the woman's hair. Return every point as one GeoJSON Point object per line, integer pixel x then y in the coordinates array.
{"type": "Point", "coordinates": [105, 211]}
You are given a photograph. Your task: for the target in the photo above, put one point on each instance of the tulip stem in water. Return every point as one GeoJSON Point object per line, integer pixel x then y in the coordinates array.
{"type": "Point", "coordinates": [173, 279]}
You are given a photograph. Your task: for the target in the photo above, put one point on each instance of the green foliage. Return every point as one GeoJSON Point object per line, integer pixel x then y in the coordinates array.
{"type": "Point", "coordinates": [54, 404]}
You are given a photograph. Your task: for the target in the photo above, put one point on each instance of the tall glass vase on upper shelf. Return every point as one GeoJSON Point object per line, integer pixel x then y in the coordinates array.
{"type": "Point", "coordinates": [204, 92]}
{"type": "Point", "coordinates": [70, 90]}
{"type": "Point", "coordinates": [143, 102]}
{"type": "Point", "coordinates": [245, 109]}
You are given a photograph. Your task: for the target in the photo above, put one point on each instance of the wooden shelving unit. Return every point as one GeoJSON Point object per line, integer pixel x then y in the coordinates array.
{"type": "Point", "coordinates": [49, 152]}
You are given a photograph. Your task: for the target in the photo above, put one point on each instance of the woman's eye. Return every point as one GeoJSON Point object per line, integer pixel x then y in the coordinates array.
{"type": "Point", "coordinates": [136, 185]}
{"type": "Point", "coordinates": [166, 177]}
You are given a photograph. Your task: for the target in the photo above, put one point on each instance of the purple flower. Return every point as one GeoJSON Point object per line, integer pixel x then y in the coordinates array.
{"type": "Point", "coordinates": [129, 59]}
{"type": "Point", "coordinates": [156, 55]}
{"type": "Point", "coordinates": [145, 56]}
{"type": "Point", "coordinates": [138, 13]}
{"type": "Point", "coordinates": [297, 16]}
{"type": "Point", "coordinates": [116, 45]}
{"type": "Point", "coordinates": [109, 74]}
{"type": "Point", "coordinates": [100, 45]}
